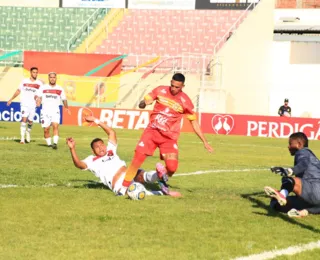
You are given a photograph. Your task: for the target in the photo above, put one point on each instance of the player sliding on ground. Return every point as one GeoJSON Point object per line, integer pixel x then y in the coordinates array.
{"type": "Point", "coordinates": [164, 129]}
{"type": "Point", "coordinates": [106, 164]}
{"type": "Point", "coordinates": [303, 180]}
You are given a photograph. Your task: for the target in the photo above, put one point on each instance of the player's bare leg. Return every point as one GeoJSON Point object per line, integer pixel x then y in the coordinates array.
{"type": "Point", "coordinates": [171, 160]}
{"type": "Point", "coordinates": [55, 127]}
{"type": "Point", "coordinates": [132, 170]}
{"type": "Point", "coordinates": [23, 127]}
{"type": "Point", "coordinates": [47, 136]}
{"type": "Point", "coordinates": [28, 132]}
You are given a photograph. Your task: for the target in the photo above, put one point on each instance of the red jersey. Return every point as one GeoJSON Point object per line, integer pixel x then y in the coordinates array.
{"type": "Point", "coordinates": [168, 111]}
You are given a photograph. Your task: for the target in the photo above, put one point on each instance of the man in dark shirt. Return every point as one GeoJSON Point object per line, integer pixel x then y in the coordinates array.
{"type": "Point", "coordinates": [305, 184]}
{"type": "Point", "coordinates": [285, 110]}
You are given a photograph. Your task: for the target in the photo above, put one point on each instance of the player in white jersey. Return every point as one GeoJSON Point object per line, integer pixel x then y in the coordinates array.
{"type": "Point", "coordinates": [28, 89]}
{"type": "Point", "coordinates": [51, 95]}
{"type": "Point", "coordinates": [107, 165]}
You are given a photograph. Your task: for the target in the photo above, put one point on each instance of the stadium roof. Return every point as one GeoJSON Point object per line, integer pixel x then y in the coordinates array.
{"type": "Point", "coordinates": [295, 25]}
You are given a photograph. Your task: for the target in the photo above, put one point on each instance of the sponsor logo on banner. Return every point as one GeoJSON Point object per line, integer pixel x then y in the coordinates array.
{"type": "Point", "coordinates": [162, 4]}
{"type": "Point", "coordinates": [12, 113]}
{"type": "Point", "coordinates": [94, 3]}
{"type": "Point", "coordinates": [222, 4]}
{"type": "Point", "coordinates": [222, 124]}
{"type": "Point", "coordinates": [262, 126]}
{"type": "Point", "coordinates": [115, 118]}
{"type": "Point", "coordinates": [82, 113]}
{"type": "Point", "coordinates": [266, 128]}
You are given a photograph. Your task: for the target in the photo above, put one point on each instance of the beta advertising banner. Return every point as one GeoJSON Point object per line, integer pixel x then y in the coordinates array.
{"type": "Point", "coordinates": [12, 113]}
{"type": "Point", "coordinates": [116, 118]}
{"type": "Point", "coordinates": [162, 4]}
{"type": "Point", "coordinates": [94, 3]}
{"type": "Point", "coordinates": [217, 124]}
{"type": "Point", "coordinates": [224, 4]}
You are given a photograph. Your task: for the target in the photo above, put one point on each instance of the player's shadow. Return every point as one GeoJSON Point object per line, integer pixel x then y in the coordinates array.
{"type": "Point", "coordinates": [89, 185]}
{"type": "Point", "coordinates": [18, 141]}
{"type": "Point", "coordinates": [257, 203]}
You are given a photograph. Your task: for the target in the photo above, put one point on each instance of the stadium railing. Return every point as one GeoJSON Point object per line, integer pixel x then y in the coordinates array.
{"type": "Point", "coordinates": [233, 28]}
{"type": "Point", "coordinates": [84, 30]}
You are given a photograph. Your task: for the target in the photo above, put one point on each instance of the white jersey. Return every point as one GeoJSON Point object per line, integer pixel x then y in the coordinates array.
{"type": "Point", "coordinates": [51, 97]}
{"type": "Point", "coordinates": [105, 167]}
{"type": "Point", "coordinates": [28, 90]}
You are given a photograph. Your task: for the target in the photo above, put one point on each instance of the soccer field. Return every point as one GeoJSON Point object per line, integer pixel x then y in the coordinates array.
{"type": "Point", "coordinates": [56, 211]}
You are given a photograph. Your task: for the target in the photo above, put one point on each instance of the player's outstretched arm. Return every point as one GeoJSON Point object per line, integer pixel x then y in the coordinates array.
{"type": "Point", "coordinates": [76, 161]}
{"type": "Point", "coordinates": [197, 129]}
{"type": "Point", "coordinates": [285, 172]}
{"type": "Point", "coordinates": [13, 97]}
{"type": "Point", "coordinates": [108, 130]}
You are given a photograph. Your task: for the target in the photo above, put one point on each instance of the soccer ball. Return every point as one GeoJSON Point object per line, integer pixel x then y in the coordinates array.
{"type": "Point", "coordinates": [136, 191]}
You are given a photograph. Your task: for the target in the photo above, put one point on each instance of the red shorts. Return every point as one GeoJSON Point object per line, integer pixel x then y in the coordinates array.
{"type": "Point", "coordinates": [151, 139]}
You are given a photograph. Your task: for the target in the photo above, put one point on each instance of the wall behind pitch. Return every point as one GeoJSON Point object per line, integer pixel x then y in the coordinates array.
{"type": "Point", "coordinates": [297, 82]}
{"type": "Point", "coordinates": [30, 3]}
{"type": "Point", "coordinates": [247, 63]}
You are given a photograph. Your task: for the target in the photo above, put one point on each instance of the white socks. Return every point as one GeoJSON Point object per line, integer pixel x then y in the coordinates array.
{"type": "Point", "coordinates": [55, 139]}
{"type": "Point", "coordinates": [29, 127]}
{"type": "Point", "coordinates": [23, 130]}
{"type": "Point", "coordinates": [284, 192]}
{"type": "Point", "coordinates": [48, 140]}
{"type": "Point", "coordinates": [150, 177]}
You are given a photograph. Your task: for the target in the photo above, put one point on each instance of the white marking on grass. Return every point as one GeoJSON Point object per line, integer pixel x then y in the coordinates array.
{"type": "Point", "coordinates": [217, 171]}
{"type": "Point", "coordinates": [292, 250]}
{"type": "Point", "coordinates": [3, 186]}
{"type": "Point", "coordinates": [8, 138]}
{"type": "Point", "coordinates": [49, 185]}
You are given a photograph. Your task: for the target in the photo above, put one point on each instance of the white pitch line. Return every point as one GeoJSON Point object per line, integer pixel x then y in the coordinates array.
{"type": "Point", "coordinates": [216, 171]}
{"type": "Point", "coordinates": [48, 185]}
{"type": "Point", "coordinates": [7, 138]}
{"type": "Point", "coordinates": [292, 250]}
{"type": "Point", "coordinates": [4, 186]}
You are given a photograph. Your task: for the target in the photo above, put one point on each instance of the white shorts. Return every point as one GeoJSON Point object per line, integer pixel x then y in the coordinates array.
{"type": "Point", "coordinates": [28, 112]}
{"type": "Point", "coordinates": [46, 118]}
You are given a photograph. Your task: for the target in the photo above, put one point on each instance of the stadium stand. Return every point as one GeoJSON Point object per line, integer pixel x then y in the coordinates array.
{"type": "Point", "coordinates": [169, 32]}
{"type": "Point", "coordinates": [47, 29]}
{"type": "Point", "coordinates": [298, 4]}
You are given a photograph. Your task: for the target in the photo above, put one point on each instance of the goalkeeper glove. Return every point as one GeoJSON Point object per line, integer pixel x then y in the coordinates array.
{"type": "Point", "coordinates": [282, 171]}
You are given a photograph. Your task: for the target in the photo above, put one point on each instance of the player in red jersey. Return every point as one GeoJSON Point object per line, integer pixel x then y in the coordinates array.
{"type": "Point", "coordinates": [164, 129]}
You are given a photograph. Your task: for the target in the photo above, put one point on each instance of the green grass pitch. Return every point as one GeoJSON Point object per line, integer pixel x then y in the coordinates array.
{"type": "Point", "coordinates": [59, 212]}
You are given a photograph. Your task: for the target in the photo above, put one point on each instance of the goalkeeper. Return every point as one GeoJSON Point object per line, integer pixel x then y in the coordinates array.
{"type": "Point", "coordinates": [303, 180]}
